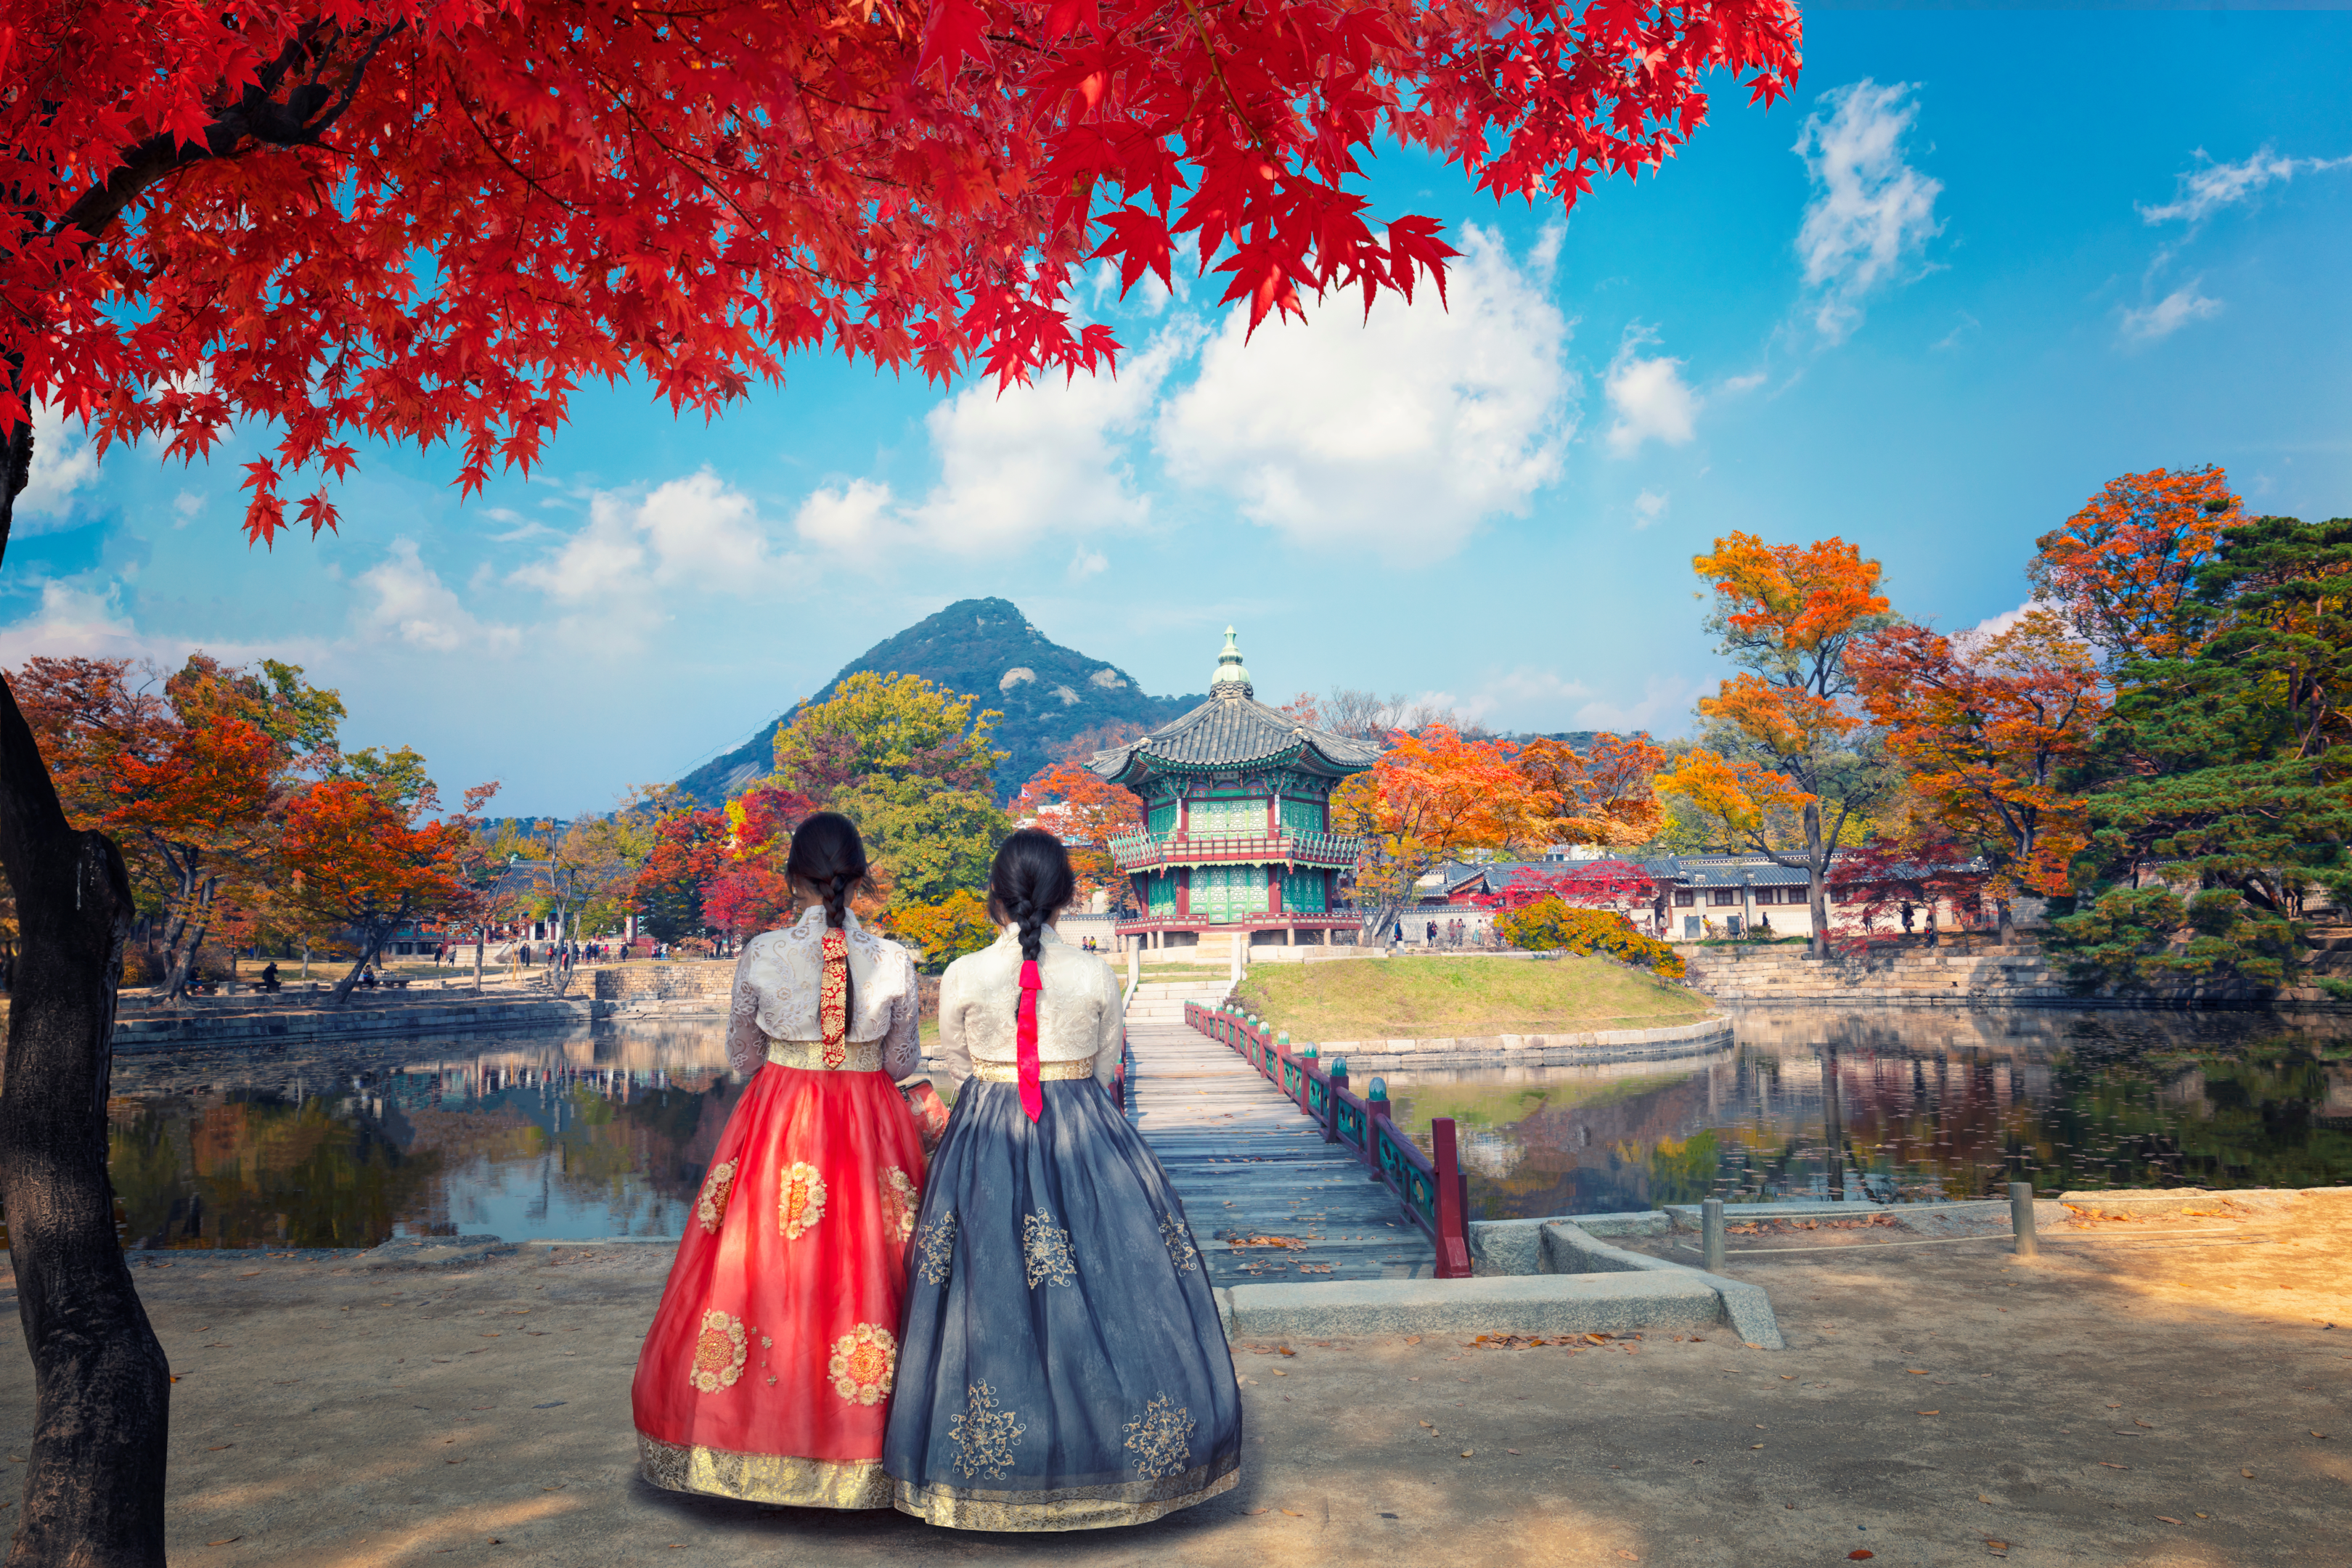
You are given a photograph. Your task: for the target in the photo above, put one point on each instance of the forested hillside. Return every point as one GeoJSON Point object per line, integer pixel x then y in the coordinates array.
{"type": "Point", "coordinates": [1049, 695]}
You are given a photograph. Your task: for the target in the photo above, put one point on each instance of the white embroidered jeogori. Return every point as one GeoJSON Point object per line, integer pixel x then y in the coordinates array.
{"type": "Point", "coordinates": [777, 983]}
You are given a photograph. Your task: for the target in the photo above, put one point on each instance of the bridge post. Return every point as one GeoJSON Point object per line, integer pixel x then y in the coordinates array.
{"type": "Point", "coordinates": [1375, 1110]}
{"type": "Point", "coordinates": [1339, 1079]}
{"type": "Point", "coordinates": [1453, 1238]}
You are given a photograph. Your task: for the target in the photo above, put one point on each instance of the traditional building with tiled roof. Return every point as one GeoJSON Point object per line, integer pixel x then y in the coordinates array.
{"type": "Point", "coordinates": [1236, 807]}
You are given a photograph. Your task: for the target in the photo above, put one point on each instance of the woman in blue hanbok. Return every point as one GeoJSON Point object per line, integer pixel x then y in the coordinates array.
{"type": "Point", "coordinates": [1061, 1365]}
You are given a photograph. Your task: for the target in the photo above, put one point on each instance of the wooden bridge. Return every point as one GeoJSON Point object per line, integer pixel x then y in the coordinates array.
{"type": "Point", "coordinates": [1269, 1197]}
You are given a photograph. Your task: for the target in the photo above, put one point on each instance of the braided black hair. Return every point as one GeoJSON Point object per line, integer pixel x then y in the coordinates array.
{"type": "Point", "coordinates": [1029, 885]}
{"type": "Point", "coordinates": [828, 861]}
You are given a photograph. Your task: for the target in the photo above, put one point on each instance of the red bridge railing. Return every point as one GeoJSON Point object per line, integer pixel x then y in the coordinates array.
{"type": "Point", "coordinates": [1430, 1186]}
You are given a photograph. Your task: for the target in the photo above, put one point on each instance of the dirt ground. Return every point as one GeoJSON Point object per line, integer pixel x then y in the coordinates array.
{"type": "Point", "coordinates": [2157, 1392]}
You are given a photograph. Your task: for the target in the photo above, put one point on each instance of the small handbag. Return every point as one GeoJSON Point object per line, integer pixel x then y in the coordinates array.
{"type": "Point", "coordinates": [930, 1113]}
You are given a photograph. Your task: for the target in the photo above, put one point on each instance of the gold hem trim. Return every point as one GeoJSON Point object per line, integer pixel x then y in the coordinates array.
{"type": "Point", "coordinates": [858, 1056]}
{"type": "Point", "coordinates": [780, 1479]}
{"type": "Point", "coordinates": [1047, 1072]}
{"type": "Point", "coordinates": [1068, 1507]}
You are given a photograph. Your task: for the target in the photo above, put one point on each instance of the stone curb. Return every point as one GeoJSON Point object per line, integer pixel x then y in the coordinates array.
{"type": "Point", "coordinates": [1536, 1276]}
{"type": "Point", "coordinates": [1539, 1304]}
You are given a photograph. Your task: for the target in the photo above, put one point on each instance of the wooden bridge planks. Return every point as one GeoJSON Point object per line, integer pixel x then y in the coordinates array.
{"type": "Point", "coordinates": [1248, 1163]}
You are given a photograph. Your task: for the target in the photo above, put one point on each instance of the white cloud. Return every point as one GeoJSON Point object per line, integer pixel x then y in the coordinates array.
{"type": "Point", "coordinates": [1086, 563]}
{"type": "Point", "coordinates": [1397, 434]}
{"type": "Point", "coordinates": [187, 506]}
{"type": "Point", "coordinates": [1870, 209]}
{"type": "Point", "coordinates": [414, 605]}
{"type": "Point", "coordinates": [2206, 190]}
{"type": "Point", "coordinates": [63, 462]}
{"type": "Point", "coordinates": [846, 518]}
{"type": "Point", "coordinates": [84, 616]}
{"type": "Point", "coordinates": [1648, 508]}
{"type": "Point", "coordinates": [1734, 385]}
{"type": "Point", "coordinates": [73, 621]}
{"type": "Point", "coordinates": [1652, 401]}
{"type": "Point", "coordinates": [697, 532]}
{"type": "Point", "coordinates": [1043, 458]}
{"type": "Point", "coordinates": [2169, 314]}
{"type": "Point", "coordinates": [1531, 698]}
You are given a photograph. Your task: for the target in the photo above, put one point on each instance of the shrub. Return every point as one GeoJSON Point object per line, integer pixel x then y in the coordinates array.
{"type": "Point", "coordinates": [1549, 923]}
{"type": "Point", "coordinates": [2134, 938]}
{"type": "Point", "coordinates": [945, 931]}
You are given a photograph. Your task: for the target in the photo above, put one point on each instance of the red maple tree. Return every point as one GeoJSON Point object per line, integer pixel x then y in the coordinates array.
{"type": "Point", "coordinates": [1987, 725]}
{"type": "Point", "coordinates": [430, 220]}
{"type": "Point", "coordinates": [361, 858]}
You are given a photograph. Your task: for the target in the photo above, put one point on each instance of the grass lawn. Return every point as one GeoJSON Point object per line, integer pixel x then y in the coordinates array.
{"type": "Point", "coordinates": [1412, 998]}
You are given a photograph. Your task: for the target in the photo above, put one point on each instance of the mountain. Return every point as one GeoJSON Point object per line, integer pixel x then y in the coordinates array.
{"type": "Point", "coordinates": [986, 648]}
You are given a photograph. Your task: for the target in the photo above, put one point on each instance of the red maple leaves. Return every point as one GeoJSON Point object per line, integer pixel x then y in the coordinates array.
{"type": "Point", "coordinates": [433, 220]}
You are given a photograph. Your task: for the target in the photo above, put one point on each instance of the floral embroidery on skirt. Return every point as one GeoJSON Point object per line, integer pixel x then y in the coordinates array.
{"type": "Point", "coordinates": [800, 1201]}
{"type": "Point", "coordinates": [711, 1206]}
{"type": "Point", "coordinates": [767, 1371]}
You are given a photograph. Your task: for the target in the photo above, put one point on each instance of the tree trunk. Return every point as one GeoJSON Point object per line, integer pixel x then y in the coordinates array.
{"type": "Point", "coordinates": [93, 1492]}
{"type": "Point", "coordinates": [375, 935]}
{"type": "Point", "coordinates": [1817, 874]}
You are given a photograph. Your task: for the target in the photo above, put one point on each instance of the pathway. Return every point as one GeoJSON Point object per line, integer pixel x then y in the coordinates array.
{"type": "Point", "coordinates": [1250, 1166]}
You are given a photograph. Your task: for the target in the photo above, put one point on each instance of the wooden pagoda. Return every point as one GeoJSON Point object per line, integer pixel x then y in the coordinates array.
{"type": "Point", "coordinates": [1236, 807]}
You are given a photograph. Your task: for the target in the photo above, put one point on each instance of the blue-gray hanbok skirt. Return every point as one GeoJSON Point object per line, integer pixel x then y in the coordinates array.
{"type": "Point", "coordinates": [1062, 1366]}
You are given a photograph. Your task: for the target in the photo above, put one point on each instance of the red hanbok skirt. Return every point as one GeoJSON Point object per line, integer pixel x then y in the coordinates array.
{"type": "Point", "coordinates": [767, 1372]}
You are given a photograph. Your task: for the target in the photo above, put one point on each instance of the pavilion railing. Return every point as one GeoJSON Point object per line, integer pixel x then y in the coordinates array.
{"type": "Point", "coordinates": [1142, 851]}
{"type": "Point", "coordinates": [1430, 1186]}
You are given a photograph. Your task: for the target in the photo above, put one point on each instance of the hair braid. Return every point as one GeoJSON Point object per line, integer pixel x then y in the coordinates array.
{"type": "Point", "coordinates": [1030, 884]}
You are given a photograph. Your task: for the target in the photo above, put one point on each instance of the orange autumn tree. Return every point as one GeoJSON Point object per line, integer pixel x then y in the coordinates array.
{"type": "Point", "coordinates": [187, 773]}
{"type": "Point", "coordinates": [1086, 811]}
{"type": "Point", "coordinates": [1785, 762]}
{"type": "Point", "coordinates": [1602, 795]}
{"type": "Point", "coordinates": [1432, 797]}
{"type": "Point", "coordinates": [368, 856]}
{"type": "Point", "coordinates": [1985, 725]}
{"type": "Point", "coordinates": [2122, 570]}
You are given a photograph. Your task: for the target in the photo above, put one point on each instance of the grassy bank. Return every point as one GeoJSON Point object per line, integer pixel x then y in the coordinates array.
{"type": "Point", "coordinates": [1417, 998]}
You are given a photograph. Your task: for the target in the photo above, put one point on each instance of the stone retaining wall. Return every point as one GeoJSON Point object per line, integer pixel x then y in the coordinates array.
{"type": "Point", "coordinates": [1581, 1046]}
{"type": "Point", "coordinates": [164, 1034]}
{"type": "Point", "coordinates": [1787, 974]}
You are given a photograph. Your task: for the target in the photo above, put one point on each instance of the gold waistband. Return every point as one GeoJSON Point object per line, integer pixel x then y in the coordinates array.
{"type": "Point", "coordinates": [1010, 1072]}
{"type": "Point", "coordinates": [859, 1056]}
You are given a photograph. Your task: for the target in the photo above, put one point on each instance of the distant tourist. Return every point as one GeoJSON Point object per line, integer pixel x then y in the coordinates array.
{"type": "Point", "coordinates": [269, 976]}
{"type": "Point", "coordinates": [367, 978]}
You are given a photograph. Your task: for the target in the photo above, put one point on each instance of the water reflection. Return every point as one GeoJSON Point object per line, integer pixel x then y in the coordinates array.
{"type": "Point", "coordinates": [1891, 1107]}
{"type": "Point", "coordinates": [609, 1133]}
{"type": "Point", "coordinates": [574, 1135]}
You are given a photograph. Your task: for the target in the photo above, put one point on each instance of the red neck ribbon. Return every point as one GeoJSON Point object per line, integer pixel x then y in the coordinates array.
{"type": "Point", "coordinates": [1024, 1039]}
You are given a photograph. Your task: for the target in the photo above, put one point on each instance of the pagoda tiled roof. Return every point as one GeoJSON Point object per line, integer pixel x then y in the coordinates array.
{"type": "Point", "coordinates": [1229, 730]}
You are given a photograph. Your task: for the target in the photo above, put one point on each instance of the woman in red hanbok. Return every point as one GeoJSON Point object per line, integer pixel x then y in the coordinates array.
{"type": "Point", "coordinates": [767, 1372]}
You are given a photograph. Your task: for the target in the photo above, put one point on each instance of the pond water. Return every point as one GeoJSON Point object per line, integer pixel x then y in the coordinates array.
{"type": "Point", "coordinates": [1897, 1106]}
{"type": "Point", "coordinates": [608, 1132]}
{"type": "Point", "coordinates": [557, 1136]}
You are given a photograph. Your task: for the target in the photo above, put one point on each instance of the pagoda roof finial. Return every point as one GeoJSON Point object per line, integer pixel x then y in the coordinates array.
{"type": "Point", "coordinates": [1233, 677]}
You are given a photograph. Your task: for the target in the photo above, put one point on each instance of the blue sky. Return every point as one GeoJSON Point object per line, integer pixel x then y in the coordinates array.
{"type": "Point", "coordinates": [1979, 263]}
